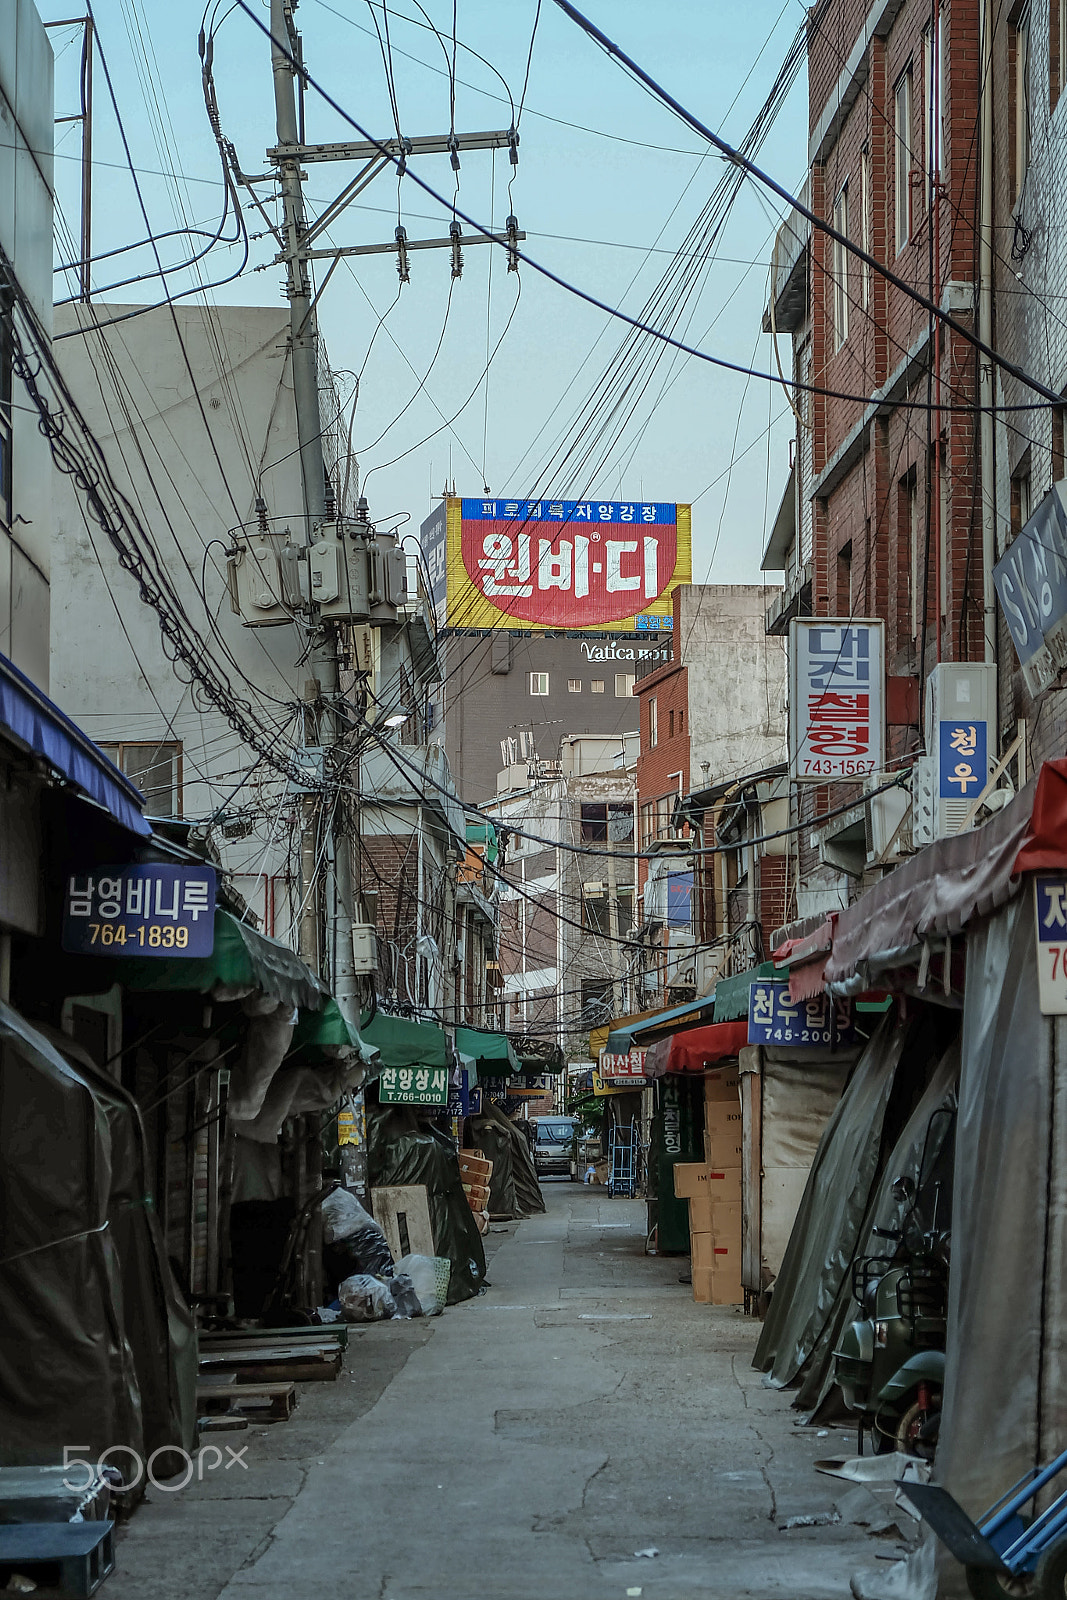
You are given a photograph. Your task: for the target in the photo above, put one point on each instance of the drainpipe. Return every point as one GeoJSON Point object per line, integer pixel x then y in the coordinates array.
{"type": "Point", "coordinates": [987, 377]}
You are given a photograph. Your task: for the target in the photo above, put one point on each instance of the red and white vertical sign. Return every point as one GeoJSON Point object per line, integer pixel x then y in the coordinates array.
{"type": "Point", "coordinates": [836, 698]}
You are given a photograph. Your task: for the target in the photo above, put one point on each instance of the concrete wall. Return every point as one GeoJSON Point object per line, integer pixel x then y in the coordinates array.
{"type": "Point", "coordinates": [26, 110]}
{"type": "Point", "coordinates": [486, 696]}
{"type": "Point", "coordinates": [195, 476]}
{"type": "Point", "coordinates": [736, 676]}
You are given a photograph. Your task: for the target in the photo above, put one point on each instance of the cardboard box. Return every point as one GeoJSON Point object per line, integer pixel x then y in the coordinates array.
{"type": "Point", "coordinates": [724, 1184]}
{"type": "Point", "coordinates": [722, 1150]}
{"type": "Point", "coordinates": [699, 1213]}
{"type": "Point", "coordinates": [723, 1083]}
{"type": "Point", "coordinates": [712, 1288]}
{"type": "Point", "coordinates": [722, 1116]}
{"type": "Point", "coordinates": [690, 1178]}
{"type": "Point", "coordinates": [701, 1252]}
{"type": "Point", "coordinates": [726, 1230]}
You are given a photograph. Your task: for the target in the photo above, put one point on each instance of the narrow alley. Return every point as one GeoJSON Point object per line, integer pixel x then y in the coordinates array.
{"type": "Point", "coordinates": [581, 1430]}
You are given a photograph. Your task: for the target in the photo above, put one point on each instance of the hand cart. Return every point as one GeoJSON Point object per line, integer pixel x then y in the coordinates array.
{"type": "Point", "coordinates": [623, 1148]}
{"type": "Point", "coordinates": [1008, 1553]}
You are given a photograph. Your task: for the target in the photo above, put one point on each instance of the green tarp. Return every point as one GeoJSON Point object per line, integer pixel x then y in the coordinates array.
{"type": "Point", "coordinates": [404, 1043]}
{"type": "Point", "coordinates": [493, 1049]}
{"type": "Point", "coordinates": [242, 960]}
{"type": "Point", "coordinates": [403, 1149]}
{"type": "Point", "coordinates": [731, 994]}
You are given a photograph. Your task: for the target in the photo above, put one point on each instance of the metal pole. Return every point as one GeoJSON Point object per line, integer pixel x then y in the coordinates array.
{"type": "Point", "coordinates": [87, 159]}
{"type": "Point", "coordinates": [304, 341]}
{"type": "Point", "coordinates": [986, 379]}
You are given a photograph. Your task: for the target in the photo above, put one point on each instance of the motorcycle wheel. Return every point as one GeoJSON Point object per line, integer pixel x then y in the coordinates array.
{"type": "Point", "coordinates": [909, 1428]}
{"type": "Point", "coordinates": [1050, 1579]}
{"type": "Point", "coordinates": [986, 1585]}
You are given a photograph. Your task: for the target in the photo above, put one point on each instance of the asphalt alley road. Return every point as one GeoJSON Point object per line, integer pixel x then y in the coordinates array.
{"type": "Point", "coordinates": [531, 1443]}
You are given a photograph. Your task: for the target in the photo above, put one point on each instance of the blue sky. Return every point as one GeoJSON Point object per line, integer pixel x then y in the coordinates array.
{"type": "Point", "coordinates": [604, 205]}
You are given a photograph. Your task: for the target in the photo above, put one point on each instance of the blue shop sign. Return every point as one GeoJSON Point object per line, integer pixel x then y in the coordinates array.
{"type": "Point", "coordinates": [962, 759]}
{"type": "Point", "coordinates": [149, 910]}
{"type": "Point", "coordinates": [805, 1024]}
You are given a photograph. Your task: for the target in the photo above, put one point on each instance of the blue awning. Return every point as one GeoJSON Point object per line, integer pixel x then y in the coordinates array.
{"type": "Point", "coordinates": [640, 1033]}
{"type": "Point", "coordinates": [28, 714]}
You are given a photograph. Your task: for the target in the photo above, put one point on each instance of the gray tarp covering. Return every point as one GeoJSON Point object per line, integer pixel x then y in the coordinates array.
{"type": "Point", "coordinates": [800, 1094]}
{"type": "Point", "coordinates": [824, 1235]}
{"type": "Point", "coordinates": [513, 1187]}
{"type": "Point", "coordinates": [905, 1159]}
{"type": "Point", "coordinates": [1007, 1332]}
{"type": "Point", "coordinates": [96, 1348]}
{"type": "Point", "coordinates": [875, 1127]}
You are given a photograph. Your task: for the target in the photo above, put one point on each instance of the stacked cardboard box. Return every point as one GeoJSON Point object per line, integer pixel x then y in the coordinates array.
{"type": "Point", "coordinates": [713, 1189]}
{"type": "Point", "coordinates": [476, 1171]}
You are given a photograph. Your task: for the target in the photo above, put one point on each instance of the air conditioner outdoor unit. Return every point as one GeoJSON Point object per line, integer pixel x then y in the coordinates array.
{"type": "Point", "coordinates": [961, 738]}
{"type": "Point", "coordinates": [889, 825]}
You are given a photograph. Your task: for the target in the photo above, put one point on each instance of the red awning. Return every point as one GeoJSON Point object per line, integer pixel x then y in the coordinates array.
{"type": "Point", "coordinates": [805, 960]}
{"type": "Point", "coordinates": [696, 1048]}
{"type": "Point", "coordinates": [944, 887]}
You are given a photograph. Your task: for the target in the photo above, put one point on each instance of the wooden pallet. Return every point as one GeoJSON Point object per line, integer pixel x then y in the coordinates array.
{"type": "Point", "coordinates": [71, 1558]}
{"type": "Point", "coordinates": [275, 1399]}
{"type": "Point", "coordinates": [218, 1338]}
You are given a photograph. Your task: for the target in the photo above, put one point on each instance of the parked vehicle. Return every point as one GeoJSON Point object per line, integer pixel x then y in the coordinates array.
{"type": "Point", "coordinates": [890, 1365]}
{"type": "Point", "coordinates": [553, 1147]}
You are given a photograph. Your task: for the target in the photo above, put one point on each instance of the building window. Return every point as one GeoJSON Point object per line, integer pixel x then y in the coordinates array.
{"type": "Point", "coordinates": [156, 769]}
{"type": "Point", "coordinates": [574, 685]}
{"type": "Point", "coordinates": [670, 724]}
{"type": "Point", "coordinates": [908, 520]}
{"type": "Point", "coordinates": [1057, 436]}
{"type": "Point", "coordinates": [1057, 50]}
{"type": "Point", "coordinates": [681, 722]}
{"type": "Point", "coordinates": [1021, 504]}
{"type": "Point", "coordinates": [596, 686]}
{"type": "Point", "coordinates": [597, 1001]}
{"type": "Point", "coordinates": [841, 255]}
{"type": "Point", "coordinates": [539, 683]}
{"type": "Point", "coordinates": [624, 685]}
{"type": "Point", "coordinates": [902, 158]}
{"type": "Point", "coordinates": [648, 823]}
{"type": "Point", "coordinates": [604, 821]}
{"type": "Point", "coordinates": [1019, 96]}
{"type": "Point", "coordinates": [653, 723]}
{"type": "Point", "coordinates": [865, 220]}
{"type": "Point", "coordinates": [933, 118]}
{"type": "Point", "coordinates": [596, 910]}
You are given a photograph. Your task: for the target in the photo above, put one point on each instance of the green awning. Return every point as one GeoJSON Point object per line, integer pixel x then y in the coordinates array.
{"type": "Point", "coordinates": [484, 833]}
{"type": "Point", "coordinates": [404, 1043]}
{"type": "Point", "coordinates": [492, 1050]}
{"type": "Point", "coordinates": [731, 994]}
{"type": "Point", "coordinates": [243, 959]}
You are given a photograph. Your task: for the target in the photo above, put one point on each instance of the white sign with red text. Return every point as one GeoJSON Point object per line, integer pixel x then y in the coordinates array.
{"type": "Point", "coordinates": [622, 1069]}
{"type": "Point", "coordinates": [836, 699]}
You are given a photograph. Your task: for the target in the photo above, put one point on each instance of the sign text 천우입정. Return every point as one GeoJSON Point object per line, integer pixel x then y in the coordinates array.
{"type": "Point", "coordinates": [810, 1024]}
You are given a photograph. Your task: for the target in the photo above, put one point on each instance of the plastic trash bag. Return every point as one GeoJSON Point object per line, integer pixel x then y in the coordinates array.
{"type": "Point", "coordinates": [405, 1299]}
{"type": "Point", "coordinates": [429, 1276]}
{"type": "Point", "coordinates": [365, 1299]}
{"type": "Point", "coordinates": [354, 1241]}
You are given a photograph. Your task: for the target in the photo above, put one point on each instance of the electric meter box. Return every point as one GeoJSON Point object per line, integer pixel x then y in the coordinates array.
{"type": "Point", "coordinates": [364, 949]}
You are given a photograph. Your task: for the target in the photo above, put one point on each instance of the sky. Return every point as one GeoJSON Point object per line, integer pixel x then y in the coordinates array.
{"type": "Point", "coordinates": [608, 186]}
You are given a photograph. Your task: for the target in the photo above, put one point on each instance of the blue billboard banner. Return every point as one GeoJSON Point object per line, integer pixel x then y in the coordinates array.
{"type": "Point", "coordinates": [963, 765]}
{"type": "Point", "coordinates": [804, 1024]}
{"type": "Point", "coordinates": [623, 512]}
{"type": "Point", "coordinates": [145, 910]}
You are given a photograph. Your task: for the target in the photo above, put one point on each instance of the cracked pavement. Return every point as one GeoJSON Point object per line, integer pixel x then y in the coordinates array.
{"type": "Point", "coordinates": [528, 1443]}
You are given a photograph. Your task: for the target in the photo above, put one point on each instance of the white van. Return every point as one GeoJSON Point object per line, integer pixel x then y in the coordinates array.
{"type": "Point", "coordinates": [553, 1147]}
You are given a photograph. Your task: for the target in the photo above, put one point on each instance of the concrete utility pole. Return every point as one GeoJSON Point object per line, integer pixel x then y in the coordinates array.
{"type": "Point", "coordinates": [328, 735]}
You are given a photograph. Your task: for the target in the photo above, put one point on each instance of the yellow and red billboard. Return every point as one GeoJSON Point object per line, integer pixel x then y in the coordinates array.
{"type": "Point", "coordinates": [566, 565]}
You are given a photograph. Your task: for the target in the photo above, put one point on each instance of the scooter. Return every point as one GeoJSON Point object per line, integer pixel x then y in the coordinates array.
{"type": "Point", "coordinates": [891, 1363]}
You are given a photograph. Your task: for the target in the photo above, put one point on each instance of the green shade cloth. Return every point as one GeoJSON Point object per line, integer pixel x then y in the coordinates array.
{"type": "Point", "coordinates": [316, 1029]}
{"type": "Point", "coordinates": [494, 1050]}
{"type": "Point", "coordinates": [404, 1043]}
{"type": "Point", "coordinates": [484, 833]}
{"type": "Point", "coordinates": [242, 959]}
{"type": "Point", "coordinates": [731, 994]}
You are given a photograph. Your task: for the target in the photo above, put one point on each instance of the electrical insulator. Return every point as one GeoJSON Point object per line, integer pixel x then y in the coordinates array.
{"type": "Point", "coordinates": [455, 233]}
{"type": "Point", "coordinates": [402, 265]}
{"type": "Point", "coordinates": [512, 229]}
{"type": "Point", "coordinates": [453, 147]}
{"type": "Point", "coordinates": [513, 146]}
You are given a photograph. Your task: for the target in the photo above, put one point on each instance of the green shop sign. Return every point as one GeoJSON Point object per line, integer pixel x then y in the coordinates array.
{"type": "Point", "coordinates": [413, 1086]}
